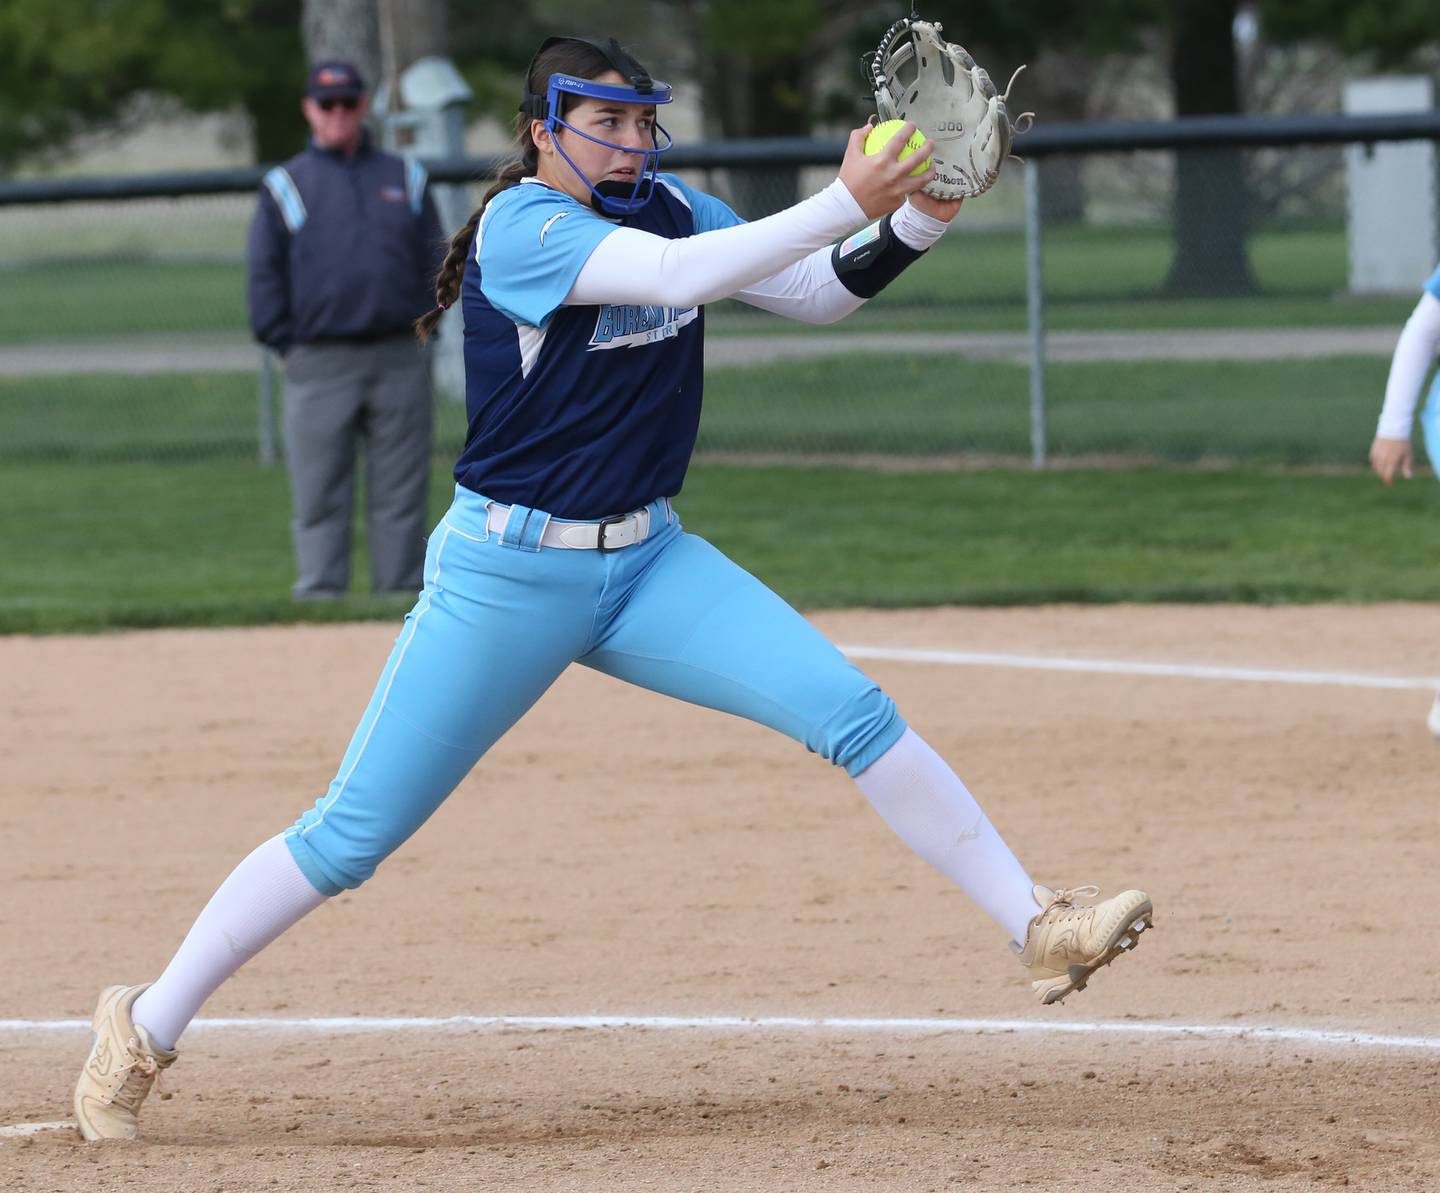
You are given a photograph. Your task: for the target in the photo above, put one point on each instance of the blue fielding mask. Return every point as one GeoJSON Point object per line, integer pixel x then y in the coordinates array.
{"type": "Point", "coordinates": [608, 198]}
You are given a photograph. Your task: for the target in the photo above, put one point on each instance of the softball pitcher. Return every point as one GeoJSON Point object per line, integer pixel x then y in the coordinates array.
{"type": "Point", "coordinates": [582, 278]}
{"type": "Point", "coordinates": [1390, 453]}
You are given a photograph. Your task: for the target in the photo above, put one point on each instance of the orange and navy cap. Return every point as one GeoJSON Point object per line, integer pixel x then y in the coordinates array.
{"type": "Point", "coordinates": [334, 79]}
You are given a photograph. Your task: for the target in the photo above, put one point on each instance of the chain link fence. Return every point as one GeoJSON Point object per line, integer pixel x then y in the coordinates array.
{"type": "Point", "coordinates": [1165, 301]}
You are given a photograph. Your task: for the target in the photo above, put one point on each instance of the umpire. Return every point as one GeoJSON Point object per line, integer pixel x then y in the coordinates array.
{"type": "Point", "coordinates": [341, 260]}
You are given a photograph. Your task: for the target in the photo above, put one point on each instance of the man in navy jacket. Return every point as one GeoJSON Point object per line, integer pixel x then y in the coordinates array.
{"type": "Point", "coordinates": [341, 260]}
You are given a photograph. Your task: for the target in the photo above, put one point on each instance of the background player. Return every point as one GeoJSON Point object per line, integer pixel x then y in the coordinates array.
{"type": "Point", "coordinates": [583, 277]}
{"type": "Point", "coordinates": [1391, 454]}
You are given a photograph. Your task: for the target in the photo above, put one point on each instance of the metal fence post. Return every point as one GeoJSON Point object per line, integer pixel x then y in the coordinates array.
{"type": "Point", "coordinates": [267, 410]}
{"type": "Point", "coordinates": [1035, 306]}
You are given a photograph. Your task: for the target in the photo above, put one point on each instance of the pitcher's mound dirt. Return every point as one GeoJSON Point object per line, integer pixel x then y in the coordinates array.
{"type": "Point", "coordinates": [619, 853]}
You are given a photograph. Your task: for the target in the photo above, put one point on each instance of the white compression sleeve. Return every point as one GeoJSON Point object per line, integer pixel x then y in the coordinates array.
{"type": "Point", "coordinates": [810, 291]}
{"type": "Point", "coordinates": [1414, 354]}
{"type": "Point", "coordinates": [630, 266]}
{"type": "Point", "coordinates": [933, 812]}
{"type": "Point", "coordinates": [264, 895]}
{"type": "Point", "coordinates": [915, 228]}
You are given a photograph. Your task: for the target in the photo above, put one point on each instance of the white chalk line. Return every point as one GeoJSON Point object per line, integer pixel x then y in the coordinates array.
{"type": "Point", "coordinates": [737, 1023]}
{"type": "Point", "coordinates": [965, 658]}
{"type": "Point", "coordinates": [782, 1023]}
{"type": "Point", "coordinates": [1295, 1035]}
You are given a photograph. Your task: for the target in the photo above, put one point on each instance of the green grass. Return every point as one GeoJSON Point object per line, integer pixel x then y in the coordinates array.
{"type": "Point", "coordinates": [1017, 537]}
{"type": "Point", "coordinates": [120, 417]}
{"type": "Point", "coordinates": [123, 545]}
{"type": "Point", "coordinates": [1104, 278]}
{"type": "Point", "coordinates": [1281, 412]}
{"type": "Point", "coordinates": [1278, 412]}
{"type": "Point", "coordinates": [1095, 277]}
{"type": "Point", "coordinates": [1153, 312]}
{"type": "Point", "coordinates": [100, 299]}
{"type": "Point", "coordinates": [113, 545]}
{"type": "Point", "coordinates": [163, 417]}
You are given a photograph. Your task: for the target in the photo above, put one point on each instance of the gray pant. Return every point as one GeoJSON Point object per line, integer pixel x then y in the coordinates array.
{"type": "Point", "coordinates": [336, 397]}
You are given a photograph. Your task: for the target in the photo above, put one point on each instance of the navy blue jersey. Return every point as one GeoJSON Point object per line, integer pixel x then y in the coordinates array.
{"type": "Point", "coordinates": [580, 411]}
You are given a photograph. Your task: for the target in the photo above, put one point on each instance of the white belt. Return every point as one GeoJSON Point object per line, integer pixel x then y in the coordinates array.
{"type": "Point", "coordinates": [607, 535]}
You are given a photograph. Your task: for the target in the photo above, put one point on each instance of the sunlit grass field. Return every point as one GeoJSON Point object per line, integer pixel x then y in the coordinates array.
{"type": "Point", "coordinates": [1095, 277]}
{"type": "Point", "coordinates": [137, 501]}
{"type": "Point", "coordinates": [1304, 412]}
{"type": "Point", "coordinates": [113, 545]}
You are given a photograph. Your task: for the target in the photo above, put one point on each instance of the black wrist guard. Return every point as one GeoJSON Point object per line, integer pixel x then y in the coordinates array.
{"type": "Point", "coordinates": [871, 259]}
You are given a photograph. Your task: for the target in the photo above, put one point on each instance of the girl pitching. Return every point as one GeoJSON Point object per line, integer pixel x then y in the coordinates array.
{"type": "Point", "coordinates": [583, 279]}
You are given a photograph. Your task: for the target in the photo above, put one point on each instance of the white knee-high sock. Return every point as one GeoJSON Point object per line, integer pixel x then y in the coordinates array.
{"type": "Point", "coordinates": [264, 895]}
{"type": "Point", "coordinates": [933, 812]}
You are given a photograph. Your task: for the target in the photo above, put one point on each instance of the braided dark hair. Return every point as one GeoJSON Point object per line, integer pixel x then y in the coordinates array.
{"type": "Point", "coordinates": [576, 58]}
{"type": "Point", "coordinates": [452, 269]}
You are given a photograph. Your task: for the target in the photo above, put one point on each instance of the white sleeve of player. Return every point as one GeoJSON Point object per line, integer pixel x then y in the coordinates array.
{"type": "Point", "coordinates": [810, 291]}
{"type": "Point", "coordinates": [1414, 355]}
{"type": "Point", "coordinates": [630, 266]}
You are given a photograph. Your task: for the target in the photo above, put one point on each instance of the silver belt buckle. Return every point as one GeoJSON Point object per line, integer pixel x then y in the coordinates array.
{"type": "Point", "coordinates": [617, 520]}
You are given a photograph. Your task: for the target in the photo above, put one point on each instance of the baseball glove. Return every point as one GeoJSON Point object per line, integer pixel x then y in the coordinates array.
{"type": "Point", "coordinates": [936, 85]}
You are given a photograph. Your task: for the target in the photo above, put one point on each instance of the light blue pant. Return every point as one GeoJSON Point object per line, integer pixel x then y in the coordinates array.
{"type": "Point", "coordinates": [498, 621]}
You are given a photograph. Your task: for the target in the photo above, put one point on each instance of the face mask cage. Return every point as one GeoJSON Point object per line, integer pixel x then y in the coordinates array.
{"type": "Point", "coordinates": [612, 198]}
{"type": "Point", "coordinates": [608, 198]}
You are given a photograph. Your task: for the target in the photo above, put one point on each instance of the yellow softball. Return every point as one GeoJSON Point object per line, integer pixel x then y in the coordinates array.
{"type": "Point", "coordinates": [879, 136]}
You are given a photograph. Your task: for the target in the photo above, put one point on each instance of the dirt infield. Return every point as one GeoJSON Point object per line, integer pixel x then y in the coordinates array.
{"type": "Point", "coordinates": [619, 854]}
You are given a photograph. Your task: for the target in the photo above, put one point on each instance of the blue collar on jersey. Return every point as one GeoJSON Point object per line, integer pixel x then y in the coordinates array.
{"type": "Point", "coordinates": [608, 198]}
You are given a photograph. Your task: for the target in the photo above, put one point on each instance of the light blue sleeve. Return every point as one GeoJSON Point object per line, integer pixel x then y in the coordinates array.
{"type": "Point", "coordinates": [709, 212]}
{"type": "Point", "coordinates": [533, 243]}
{"type": "Point", "coordinates": [1432, 283]}
{"type": "Point", "coordinates": [1430, 425]}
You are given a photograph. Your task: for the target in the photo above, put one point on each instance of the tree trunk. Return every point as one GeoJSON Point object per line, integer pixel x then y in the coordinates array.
{"type": "Point", "coordinates": [348, 29]}
{"type": "Point", "coordinates": [274, 108]}
{"type": "Point", "coordinates": [1210, 200]}
{"type": "Point", "coordinates": [411, 30]}
{"type": "Point", "coordinates": [1057, 85]}
{"type": "Point", "coordinates": [745, 96]}
{"type": "Point", "coordinates": [764, 101]}
{"type": "Point", "coordinates": [270, 92]}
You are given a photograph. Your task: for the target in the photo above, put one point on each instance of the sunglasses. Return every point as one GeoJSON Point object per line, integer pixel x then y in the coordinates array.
{"type": "Point", "coordinates": [345, 105]}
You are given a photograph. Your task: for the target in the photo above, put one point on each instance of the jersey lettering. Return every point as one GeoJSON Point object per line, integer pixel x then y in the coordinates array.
{"type": "Point", "coordinates": [557, 422]}
{"type": "Point", "coordinates": [629, 326]}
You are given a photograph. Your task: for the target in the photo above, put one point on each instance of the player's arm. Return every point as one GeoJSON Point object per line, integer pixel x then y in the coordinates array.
{"type": "Point", "coordinates": [267, 268]}
{"type": "Point", "coordinates": [834, 281]}
{"type": "Point", "coordinates": [631, 266]}
{"type": "Point", "coordinates": [1391, 453]}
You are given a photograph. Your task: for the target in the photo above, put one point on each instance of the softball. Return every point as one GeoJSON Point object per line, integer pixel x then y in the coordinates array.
{"type": "Point", "coordinates": [879, 136]}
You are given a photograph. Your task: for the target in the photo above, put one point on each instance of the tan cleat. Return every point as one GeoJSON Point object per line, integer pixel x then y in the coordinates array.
{"type": "Point", "coordinates": [122, 1066]}
{"type": "Point", "coordinates": [1066, 943]}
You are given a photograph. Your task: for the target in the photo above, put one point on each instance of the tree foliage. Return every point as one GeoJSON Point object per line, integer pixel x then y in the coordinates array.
{"type": "Point", "coordinates": [1021, 28]}
{"type": "Point", "coordinates": [493, 43]}
{"type": "Point", "coordinates": [72, 66]}
{"type": "Point", "coordinates": [768, 67]}
{"type": "Point", "coordinates": [1389, 32]}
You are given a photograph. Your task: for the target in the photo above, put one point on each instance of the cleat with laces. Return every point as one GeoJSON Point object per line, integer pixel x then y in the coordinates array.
{"type": "Point", "coordinates": [1067, 942]}
{"type": "Point", "coordinates": [120, 1070]}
